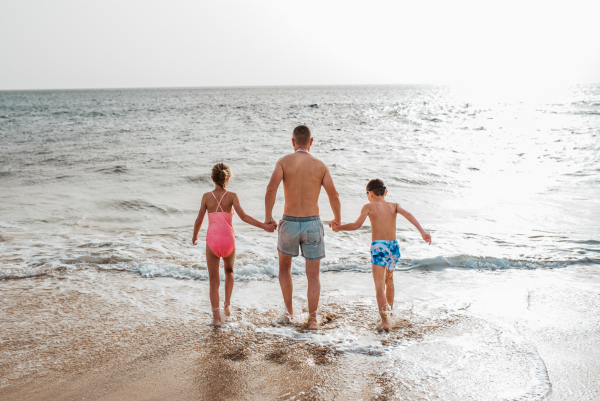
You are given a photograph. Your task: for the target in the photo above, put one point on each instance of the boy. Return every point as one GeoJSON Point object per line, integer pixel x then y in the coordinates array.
{"type": "Point", "coordinates": [385, 251]}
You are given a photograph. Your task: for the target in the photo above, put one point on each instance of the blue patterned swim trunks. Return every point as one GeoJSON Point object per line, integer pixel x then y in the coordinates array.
{"type": "Point", "coordinates": [385, 253]}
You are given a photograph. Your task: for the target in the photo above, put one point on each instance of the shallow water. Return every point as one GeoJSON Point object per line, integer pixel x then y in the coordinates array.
{"type": "Point", "coordinates": [99, 191]}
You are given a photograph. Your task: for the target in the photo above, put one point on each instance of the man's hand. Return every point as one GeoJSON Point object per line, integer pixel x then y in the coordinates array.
{"type": "Point", "coordinates": [271, 226]}
{"type": "Point", "coordinates": [426, 237]}
{"type": "Point", "coordinates": [335, 227]}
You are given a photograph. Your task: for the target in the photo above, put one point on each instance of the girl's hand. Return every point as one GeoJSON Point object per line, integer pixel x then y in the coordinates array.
{"type": "Point", "coordinates": [195, 241]}
{"type": "Point", "coordinates": [426, 237]}
{"type": "Point", "coordinates": [270, 226]}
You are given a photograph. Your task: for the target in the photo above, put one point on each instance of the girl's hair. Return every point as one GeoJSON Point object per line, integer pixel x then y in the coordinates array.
{"type": "Point", "coordinates": [220, 174]}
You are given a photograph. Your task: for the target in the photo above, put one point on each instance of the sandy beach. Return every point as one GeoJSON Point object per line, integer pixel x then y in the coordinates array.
{"type": "Point", "coordinates": [133, 343]}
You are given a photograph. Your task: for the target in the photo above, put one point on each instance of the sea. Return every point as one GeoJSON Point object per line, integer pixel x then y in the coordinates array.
{"type": "Point", "coordinates": [100, 186]}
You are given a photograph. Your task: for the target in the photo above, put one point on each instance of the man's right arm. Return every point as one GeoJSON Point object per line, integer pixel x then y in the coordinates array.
{"type": "Point", "coordinates": [334, 198]}
{"type": "Point", "coordinates": [271, 194]}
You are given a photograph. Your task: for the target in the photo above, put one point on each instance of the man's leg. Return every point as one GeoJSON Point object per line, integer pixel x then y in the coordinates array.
{"type": "Point", "coordinates": [314, 291]}
{"type": "Point", "coordinates": [285, 281]}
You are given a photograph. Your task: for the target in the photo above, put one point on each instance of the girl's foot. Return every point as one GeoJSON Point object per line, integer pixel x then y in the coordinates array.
{"type": "Point", "coordinates": [216, 317]}
{"type": "Point", "coordinates": [226, 310]}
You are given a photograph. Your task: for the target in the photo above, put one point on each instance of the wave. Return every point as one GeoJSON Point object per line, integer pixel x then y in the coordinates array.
{"type": "Point", "coordinates": [141, 205]}
{"type": "Point", "coordinates": [260, 268]}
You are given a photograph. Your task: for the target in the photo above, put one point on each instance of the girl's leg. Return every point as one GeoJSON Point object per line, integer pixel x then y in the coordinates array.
{"type": "Point", "coordinates": [212, 262]}
{"type": "Point", "coordinates": [389, 288]}
{"type": "Point", "coordinates": [228, 261]}
{"type": "Point", "coordinates": [379, 273]}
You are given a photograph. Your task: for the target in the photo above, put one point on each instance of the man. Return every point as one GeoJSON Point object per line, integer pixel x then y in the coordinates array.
{"type": "Point", "coordinates": [301, 227]}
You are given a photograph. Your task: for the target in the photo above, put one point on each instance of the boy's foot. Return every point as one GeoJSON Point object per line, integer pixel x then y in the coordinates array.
{"type": "Point", "coordinates": [311, 323]}
{"type": "Point", "coordinates": [226, 310]}
{"type": "Point", "coordinates": [384, 325]}
{"type": "Point", "coordinates": [217, 322]}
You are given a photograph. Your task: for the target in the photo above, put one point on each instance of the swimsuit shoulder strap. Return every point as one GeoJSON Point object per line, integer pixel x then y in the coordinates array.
{"type": "Point", "coordinates": [219, 202]}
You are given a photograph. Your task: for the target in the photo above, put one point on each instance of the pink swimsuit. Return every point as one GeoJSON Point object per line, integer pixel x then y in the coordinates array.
{"type": "Point", "coordinates": [219, 236]}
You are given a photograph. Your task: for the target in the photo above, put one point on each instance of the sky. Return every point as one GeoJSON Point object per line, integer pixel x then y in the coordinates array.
{"type": "Point", "coordinates": [63, 44]}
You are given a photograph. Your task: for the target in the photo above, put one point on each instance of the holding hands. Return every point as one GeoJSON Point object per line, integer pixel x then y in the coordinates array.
{"type": "Point", "coordinates": [270, 225]}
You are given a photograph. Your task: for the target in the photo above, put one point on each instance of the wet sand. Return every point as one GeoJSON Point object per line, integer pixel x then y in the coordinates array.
{"type": "Point", "coordinates": [109, 335]}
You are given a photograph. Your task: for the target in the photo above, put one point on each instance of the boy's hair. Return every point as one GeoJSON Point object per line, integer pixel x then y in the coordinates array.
{"type": "Point", "coordinates": [302, 135]}
{"type": "Point", "coordinates": [220, 173]}
{"type": "Point", "coordinates": [376, 186]}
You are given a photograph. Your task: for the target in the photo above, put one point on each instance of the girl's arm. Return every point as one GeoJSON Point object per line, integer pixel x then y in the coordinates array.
{"type": "Point", "coordinates": [414, 222]}
{"type": "Point", "coordinates": [270, 226]}
{"type": "Point", "coordinates": [353, 226]}
{"type": "Point", "coordinates": [199, 219]}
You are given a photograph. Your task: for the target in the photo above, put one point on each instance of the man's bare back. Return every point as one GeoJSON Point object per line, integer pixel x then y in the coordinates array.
{"type": "Point", "coordinates": [303, 175]}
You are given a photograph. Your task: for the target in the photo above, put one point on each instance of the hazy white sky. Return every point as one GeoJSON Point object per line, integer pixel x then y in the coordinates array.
{"type": "Point", "coordinates": [151, 43]}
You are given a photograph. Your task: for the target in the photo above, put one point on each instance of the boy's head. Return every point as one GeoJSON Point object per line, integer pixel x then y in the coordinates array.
{"type": "Point", "coordinates": [376, 188]}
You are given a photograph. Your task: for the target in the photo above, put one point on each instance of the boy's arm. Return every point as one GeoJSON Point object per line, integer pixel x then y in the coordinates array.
{"type": "Point", "coordinates": [356, 225]}
{"type": "Point", "coordinates": [270, 227]}
{"type": "Point", "coordinates": [414, 222]}
{"type": "Point", "coordinates": [199, 219]}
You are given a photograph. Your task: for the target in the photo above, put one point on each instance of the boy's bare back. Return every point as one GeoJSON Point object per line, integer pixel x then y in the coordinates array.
{"type": "Point", "coordinates": [382, 215]}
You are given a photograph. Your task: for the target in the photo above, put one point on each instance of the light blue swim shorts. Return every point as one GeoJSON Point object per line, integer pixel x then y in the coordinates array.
{"type": "Point", "coordinates": [304, 232]}
{"type": "Point", "coordinates": [385, 253]}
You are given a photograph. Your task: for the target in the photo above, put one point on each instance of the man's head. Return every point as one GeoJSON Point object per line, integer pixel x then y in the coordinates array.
{"type": "Point", "coordinates": [302, 138]}
{"type": "Point", "coordinates": [375, 188]}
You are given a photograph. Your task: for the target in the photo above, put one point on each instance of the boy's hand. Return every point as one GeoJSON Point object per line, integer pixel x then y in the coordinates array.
{"type": "Point", "coordinates": [195, 241]}
{"type": "Point", "coordinates": [426, 237]}
{"type": "Point", "coordinates": [335, 227]}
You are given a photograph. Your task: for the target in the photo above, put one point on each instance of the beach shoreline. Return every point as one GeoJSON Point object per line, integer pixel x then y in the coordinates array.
{"type": "Point", "coordinates": [67, 342]}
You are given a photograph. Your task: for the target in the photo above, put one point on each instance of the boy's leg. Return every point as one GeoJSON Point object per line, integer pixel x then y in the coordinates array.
{"type": "Point", "coordinates": [212, 263]}
{"type": "Point", "coordinates": [285, 281]}
{"type": "Point", "coordinates": [314, 291]}
{"type": "Point", "coordinates": [229, 278]}
{"type": "Point", "coordinates": [389, 287]}
{"type": "Point", "coordinates": [379, 275]}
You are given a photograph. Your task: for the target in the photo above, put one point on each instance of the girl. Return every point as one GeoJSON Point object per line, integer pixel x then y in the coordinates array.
{"type": "Point", "coordinates": [220, 239]}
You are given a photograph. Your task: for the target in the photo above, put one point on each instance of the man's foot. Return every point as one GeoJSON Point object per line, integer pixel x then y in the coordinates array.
{"type": "Point", "coordinates": [287, 318]}
{"type": "Point", "coordinates": [226, 310]}
{"type": "Point", "coordinates": [311, 323]}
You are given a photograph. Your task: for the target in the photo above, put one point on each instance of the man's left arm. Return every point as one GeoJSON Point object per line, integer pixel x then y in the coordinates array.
{"type": "Point", "coordinates": [334, 198]}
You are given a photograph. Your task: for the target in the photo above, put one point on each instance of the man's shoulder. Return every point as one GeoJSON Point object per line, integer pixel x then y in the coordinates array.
{"type": "Point", "coordinates": [294, 157]}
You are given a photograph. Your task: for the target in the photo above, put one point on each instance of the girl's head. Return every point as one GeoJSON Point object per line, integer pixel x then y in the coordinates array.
{"type": "Point", "coordinates": [221, 173]}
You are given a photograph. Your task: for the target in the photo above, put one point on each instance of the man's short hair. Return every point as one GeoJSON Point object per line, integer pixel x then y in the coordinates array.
{"type": "Point", "coordinates": [376, 186]}
{"type": "Point", "coordinates": [302, 135]}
